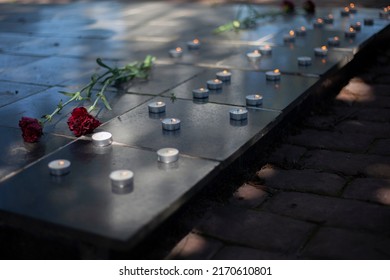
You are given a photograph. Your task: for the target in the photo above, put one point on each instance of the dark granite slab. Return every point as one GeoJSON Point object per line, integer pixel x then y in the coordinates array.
{"type": "Point", "coordinates": [11, 92]}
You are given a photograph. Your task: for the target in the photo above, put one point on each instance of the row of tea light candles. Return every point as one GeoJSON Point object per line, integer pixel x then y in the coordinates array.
{"type": "Point", "coordinates": [122, 178]}
{"type": "Point", "coordinates": [191, 45]}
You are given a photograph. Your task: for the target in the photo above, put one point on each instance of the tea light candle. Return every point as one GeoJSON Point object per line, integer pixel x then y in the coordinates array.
{"type": "Point", "coordinates": [167, 155]}
{"type": "Point", "coordinates": [334, 41]}
{"type": "Point", "coordinates": [170, 124]}
{"type": "Point", "coordinates": [157, 107]}
{"type": "Point", "coordinates": [318, 23]}
{"type": "Point", "coordinates": [345, 12]}
{"type": "Point", "coordinates": [368, 21]}
{"type": "Point", "coordinates": [300, 31]}
{"type": "Point", "coordinates": [384, 13]}
{"type": "Point", "coordinates": [304, 60]}
{"type": "Point", "coordinates": [357, 26]}
{"type": "Point", "coordinates": [102, 138]}
{"type": "Point", "coordinates": [200, 93]}
{"type": "Point", "coordinates": [323, 51]}
{"type": "Point", "coordinates": [253, 56]}
{"type": "Point", "coordinates": [329, 19]}
{"type": "Point", "coordinates": [239, 114]}
{"type": "Point", "coordinates": [254, 100]}
{"type": "Point", "coordinates": [290, 37]}
{"type": "Point", "coordinates": [273, 75]}
{"type": "Point", "coordinates": [224, 75]}
{"type": "Point", "coordinates": [59, 167]}
{"type": "Point", "coordinates": [122, 178]}
{"type": "Point", "coordinates": [178, 52]}
{"type": "Point", "coordinates": [265, 50]}
{"type": "Point", "coordinates": [352, 8]}
{"type": "Point", "coordinates": [350, 33]}
{"type": "Point", "coordinates": [194, 44]}
{"type": "Point", "coordinates": [214, 84]}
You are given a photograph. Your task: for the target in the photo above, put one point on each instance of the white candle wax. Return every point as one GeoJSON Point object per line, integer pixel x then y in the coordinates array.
{"type": "Point", "coordinates": [102, 138]}
{"type": "Point", "coordinates": [304, 60]}
{"type": "Point", "coordinates": [224, 75]}
{"type": "Point", "coordinates": [253, 56]}
{"type": "Point", "coordinates": [175, 53]}
{"type": "Point", "coordinates": [334, 41]}
{"type": "Point", "coordinates": [214, 84]}
{"type": "Point", "coordinates": [167, 155]}
{"type": "Point", "coordinates": [200, 93]}
{"type": "Point", "coordinates": [59, 167]}
{"type": "Point", "coordinates": [254, 100]}
{"type": "Point", "coordinates": [170, 124]}
{"type": "Point", "coordinates": [194, 44]}
{"type": "Point", "coordinates": [323, 51]}
{"type": "Point", "coordinates": [273, 75]}
{"type": "Point", "coordinates": [265, 50]}
{"type": "Point", "coordinates": [238, 114]}
{"type": "Point", "coordinates": [157, 107]}
{"type": "Point", "coordinates": [122, 178]}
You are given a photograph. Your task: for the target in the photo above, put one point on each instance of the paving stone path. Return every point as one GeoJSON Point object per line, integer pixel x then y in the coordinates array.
{"type": "Point", "coordinates": [325, 191]}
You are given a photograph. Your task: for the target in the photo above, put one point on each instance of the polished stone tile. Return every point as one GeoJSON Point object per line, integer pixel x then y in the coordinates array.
{"type": "Point", "coordinates": [11, 92]}
{"type": "Point", "coordinates": [285, 59]}
{"type": "Point", "coordinates": [84, 200]}
{"type": "Point", "coordinates": [10, 62]}
{"type": "Point", "coordinates": [198, 135]}
{"type": "Point", "coordinates": [16, 154]}
{"type": "Point", "coordinates": [276, 96]}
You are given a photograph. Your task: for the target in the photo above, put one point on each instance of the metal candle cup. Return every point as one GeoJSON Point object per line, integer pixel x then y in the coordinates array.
{"type": "Point", "coordinates": [102, 138]}
{"type": "Point", "coordinates": [59, 167]}
{"type": "Point", "coordinates": [329, 19]}
{"type": "Point", "coordinates": [175, 53]}
{"type": "Point", "coordinates": [254, 100]}
{"type": "Point", "coordinates": [290, 37]}
{"type": "Point", "coordinates": [157, 107]}
{"type": "Point", "coordinates": [214, 84]}
{"type": "Point", "coordinates": [170, 124]}
{"type": "Point", "coordinates": [345, 12]}
{"type": "Point", "coordinates": [301, 31]}
{"type": "Point", "coordinates": [273, 75]}
{"type": "Point", "coordinates": [304, 60]}
{"type": "Point", "coordinates": [238, 114]}
{"type": "Point", "coordinates": [323, 51]}
{"type": "Point", "coordinates": [265, 50]}
{"type": "Point", "coordinates": [224, 76]}
{"type": "Point", "coordinates": [334, 41]}
{"type": "Point", "coordinates": [200, 93]}
{"type": "Point", "coordinates": [350, 33]}
{"type": "Point", "coordinates": [352, 8]}
{"type": "Point", "coordinates": [318, 23]}
{"type": "Point", "coordinates": [194, 44]}
{"type": "Point", "coordinates": [357, 26]}
{"type": "Point", "coordinates": [122, 178]}
{"type": "Point", "coordinates": [253, 56]}
{"type": "Point", "coordinates": [167, 155]}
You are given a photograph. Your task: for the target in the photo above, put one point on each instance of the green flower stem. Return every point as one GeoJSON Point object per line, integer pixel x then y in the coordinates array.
{"type": "Point", "coordinates": [60, 106]}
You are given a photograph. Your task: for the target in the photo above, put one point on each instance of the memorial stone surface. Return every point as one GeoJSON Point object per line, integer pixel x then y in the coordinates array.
{"type": "Point", "coordinates": [52, 48]}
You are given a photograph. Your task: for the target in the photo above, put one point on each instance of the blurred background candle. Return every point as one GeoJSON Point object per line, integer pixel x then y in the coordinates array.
{"type": "Point", "coordinates": [200, 93]}
{"type": "Point", "coordinates": [273, 75]}
{"type": "Point", "coordinates": [59, 167]}
{"type": "Point", "coordinates": [253, 56]}
{"type": "Point", "coordinates": [265, 50]}
{"type": "Point", "coordinates": [334, 41]}
{"type": "Point", "coordinates": [352, 8]}
{"type": "Point", "coordinates": [301, 31]}
{"type": "Point", "coordinates": [323, 51]}
{"type": "Point", "coordinates": [329, 19]}
{"type": "Point", "coordinates": [214, 84]}
{"type": "Point", "coordinates": [224, 75]}
{"type": "Point", "coordinates": [350, 33]}
{"type": "Point", "coordinates": [178, 52]}
{"type": "Point", "coordinates": [194, 44]}
{"type": "Point", "coordinates": [290, 37]}
{"type": "Point", "coordinates": [357, 26]}
{"type": "Point", "coordinates": [318, 23]}
{"type": "Point", "coordinates": [345, 12]}
{"type": "Point", "coordinates": [304, 60]}
{"type": "Point", "coordinates": [368, 21]}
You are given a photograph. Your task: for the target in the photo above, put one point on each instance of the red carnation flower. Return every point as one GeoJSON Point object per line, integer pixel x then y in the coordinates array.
{"type": "Point", "coordinates": [309, 7]}
{"type": "Point", "coordinates": [81, 122]}
{"type": "Point", "coordinates": [31, 129]}
{"type": "Point", "coordinates": [288, 7]}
